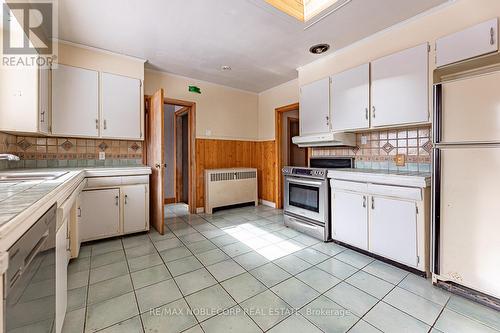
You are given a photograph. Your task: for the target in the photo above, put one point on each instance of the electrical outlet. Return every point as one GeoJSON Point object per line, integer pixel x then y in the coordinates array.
{"type": "Point", "coordinates": [400, 160]}
{"type": "Point", "coordinates": [364, 140]}
{"type": "Point", "coordinates": [102, 155]}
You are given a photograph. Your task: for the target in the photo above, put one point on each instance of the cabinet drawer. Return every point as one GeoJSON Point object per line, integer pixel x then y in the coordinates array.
{"type": "Point", "coordinates": [348, 186]}
{"type": "Point", "coordinates": [409, 193]}
{"type": "Point", "coordinates": [103, 182]}
{"type": "Point", "coordinates": [131, 180]}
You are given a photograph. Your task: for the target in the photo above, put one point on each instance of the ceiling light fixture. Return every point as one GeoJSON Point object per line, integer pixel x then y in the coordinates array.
{"type": "Point", "coordinates": [319, 48]}
{"type": "Point", "coordinates": [225, 68]}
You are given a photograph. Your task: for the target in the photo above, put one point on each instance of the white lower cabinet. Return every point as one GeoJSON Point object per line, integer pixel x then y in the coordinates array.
{"type": "Point", "coordinates": [393, 229]}
{"type": "Point", "coordinates": [134, 208]}
{"type": "Point", "coordinates": [351, 219]}
{"type": "Point", "coordinates": [61, 274]}
{"type": "Point", "coordinates": [381, 219]}
{"type": "Point", "coordinates": [100, 214]}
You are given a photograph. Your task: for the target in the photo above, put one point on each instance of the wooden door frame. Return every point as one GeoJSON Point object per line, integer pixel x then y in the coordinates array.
{"type": "Point", "coordinates": [191, 143]}
{"type": "Point", "coordinates": [190, 109]}
{"type": "Point", "coordinates": [177, 115]}
{"type": "Point", "coordinates": [279, 153]}
{"type": "Point", "coordinates": [289, 139]}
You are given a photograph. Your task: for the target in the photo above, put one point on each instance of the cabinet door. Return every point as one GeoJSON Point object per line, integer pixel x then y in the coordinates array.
{"type": "Point", "coordinates": [61, 274]}
{"type": "Point", "coordinates": [100, 210]}
{"type": "Point", "coordinates": [350, 219]}
{"type": "Point", "coordinates": [315, 107]}
{"type": "Point", "coordinates": [19, 99]}
{"type": "Point", "coordinates": [472, 42]}
{"type": "Point", "coordinates": [75, 101]}
{"type": "Point", "coordinates": [121, 107]}
{"type": "Point", "coordinates": [400, 88]}
{"type": "Point", "coordinates": [393, 230]}
{"type": "Point", "coordinates": [350, 93]}
{"type": "Point", "coordinates": [134, 208]}
{"type": "Point", "coordinates": [44, 101]}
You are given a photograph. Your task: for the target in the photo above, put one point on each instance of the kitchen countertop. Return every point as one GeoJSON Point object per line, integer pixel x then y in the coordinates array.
{"type": "Point", "coordinates": [389, 177]}
{"type": "Point", "coordinates": [22, 202]}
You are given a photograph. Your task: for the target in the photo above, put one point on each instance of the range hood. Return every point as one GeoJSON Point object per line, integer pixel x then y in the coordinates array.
{"type": "Point", "coordinates": [329, 139]}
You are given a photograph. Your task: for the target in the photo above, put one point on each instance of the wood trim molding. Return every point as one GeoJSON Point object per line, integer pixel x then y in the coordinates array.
{"type": "Point", "coordinates": [279, 154]}
{"type": "Point", "coordinates": [167, 201]}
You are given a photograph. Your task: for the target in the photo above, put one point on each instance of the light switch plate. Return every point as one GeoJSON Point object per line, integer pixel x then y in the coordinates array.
{"type": "Point", "coordinates": [102, 155]}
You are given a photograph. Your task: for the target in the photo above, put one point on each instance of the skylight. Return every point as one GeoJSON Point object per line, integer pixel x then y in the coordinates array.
{"type": "Point", "coordinates": [303, 10]}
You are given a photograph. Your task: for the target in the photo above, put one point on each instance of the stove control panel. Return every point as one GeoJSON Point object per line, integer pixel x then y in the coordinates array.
{"type": "Point", "coordinates": [305, 172]}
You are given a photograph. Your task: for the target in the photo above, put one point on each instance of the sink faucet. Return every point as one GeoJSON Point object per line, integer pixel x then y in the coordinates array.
{"type": "Point", "coordinates": [9, 157]}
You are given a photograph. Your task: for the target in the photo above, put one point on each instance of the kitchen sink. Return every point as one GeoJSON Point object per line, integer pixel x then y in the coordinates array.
{"type": "Point", "coordinates": [20, 176]}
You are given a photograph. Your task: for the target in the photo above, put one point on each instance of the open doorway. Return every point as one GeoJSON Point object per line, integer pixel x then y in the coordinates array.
{"type": "Point", "coordinates": [160, 154]}
{"type": "Point", "coordinates": [181, 155]}
{"type": "Point", "coordinates": [288, 153]}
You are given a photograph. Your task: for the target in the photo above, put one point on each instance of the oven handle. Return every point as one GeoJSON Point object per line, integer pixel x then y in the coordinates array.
{"type": "Point", "coordinates": [303, 182]}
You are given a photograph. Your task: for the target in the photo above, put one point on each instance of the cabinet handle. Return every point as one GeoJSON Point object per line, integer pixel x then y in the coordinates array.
{"type": "Point", "coordinates": [105, 125]}
{"type": "Point", "coordinates": [42, 114]}
{"type": "Point", "coordinates": [79, 212]}
{"type": "Point", "coordinates": [492, 36]}
{"type": "Point", "coordinates": [373, 111]}
{"type": "Point", "coordinates": [373, 203]}
{"type": "Point", "coordinates": [327, 120]}
{"type": "Point", "coordinates": [97, 124]}
{"type": "Point", "coordinates": [364, 201]}
{"type": "Point", "coordinates": [126, 197]}
{"type": "Point", "coordinates": [366, 113]}
{"type": "Point", "coordinates": [116, 200]}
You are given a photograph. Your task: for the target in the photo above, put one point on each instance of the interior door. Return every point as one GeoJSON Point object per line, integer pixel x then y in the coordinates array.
{"type": "Point", "coordinates": [156, 159]}
{"type": "Point", "coordinates": [393, 229]}
{"type": "Point", "coordinates": [350, 219]}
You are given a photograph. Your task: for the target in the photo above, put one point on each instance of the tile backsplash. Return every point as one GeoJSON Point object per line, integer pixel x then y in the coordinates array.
{"type": "Point", "coordinates": [43, 152]}
{"type": "Point", "coordinates": [382, 146]}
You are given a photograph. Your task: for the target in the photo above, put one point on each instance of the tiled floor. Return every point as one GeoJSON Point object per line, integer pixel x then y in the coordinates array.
{"type": "Point", "coordinates": [242, 271]}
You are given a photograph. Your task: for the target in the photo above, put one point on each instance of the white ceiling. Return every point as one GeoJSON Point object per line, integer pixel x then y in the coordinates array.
{"type": "Point", "coordinates": [194, 38]}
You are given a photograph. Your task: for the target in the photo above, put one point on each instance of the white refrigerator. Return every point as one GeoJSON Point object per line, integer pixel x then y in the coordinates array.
{"type": "Point", "coordinates": [466, 183]}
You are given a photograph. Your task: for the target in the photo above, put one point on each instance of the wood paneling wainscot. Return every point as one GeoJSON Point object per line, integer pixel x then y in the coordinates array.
{"type": "Point", "coordinates": [215, 153]}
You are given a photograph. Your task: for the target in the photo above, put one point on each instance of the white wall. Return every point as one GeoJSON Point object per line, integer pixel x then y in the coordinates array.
{"type": "Point", "coordinates": [221, 112]}
{"type": "Point", "coordinates": [284, 94]}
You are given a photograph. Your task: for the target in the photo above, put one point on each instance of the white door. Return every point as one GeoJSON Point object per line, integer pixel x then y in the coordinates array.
{"type": "Point", "coordinates": [61, 274]}
{"type": "Point", "coordinates": [393, 229]}
{"type": "Point", "coordinates": [75, 101]}
{"type": "Point", "coordinates": [134, 208]}
{"type": "Point", "coordinates": [350, 219]}
{"type": "Point", "coordinates": [43, 100]}
{"type": "Point", "coordinates": [472, 42]}
{"type": "Point", "coordinates": [121, 107]}
{"type": "Point", "coordinates": [400, 88]}
{"type": "Point", "coordinates": [100, 210]}
{"type": "Point", "coordinates": [350, 93]}
{"type": "Point", "coordinates": [315, 107]}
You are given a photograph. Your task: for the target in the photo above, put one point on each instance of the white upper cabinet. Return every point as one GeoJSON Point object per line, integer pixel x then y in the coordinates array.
{"type": "Point", "coordinates": [472, 42]}
{"type": "Point", "coordinates": [400, 88]}
{"type": "Point", "coordinates": [121, 107]}
{"type": "Point", "coordinates": [350, 94]}
{"type": "Point", "coordinates": [44, 101]}
{"type": "Point", "coordinates": [315, 107]}
{"type": "Point", "coordinates": [75, 101]}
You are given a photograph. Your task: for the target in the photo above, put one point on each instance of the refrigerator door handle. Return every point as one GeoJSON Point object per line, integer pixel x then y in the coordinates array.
{"type": "Point", "coordinates": [436, 207]}
{"type": "Point", "coordinates": [438, 109]}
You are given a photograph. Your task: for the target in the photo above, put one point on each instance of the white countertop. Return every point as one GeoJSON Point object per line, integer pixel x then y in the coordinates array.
{"type": "Point", "coordinates": [389, 177]}
{"type": "Point", "coordinates": [23, 202]}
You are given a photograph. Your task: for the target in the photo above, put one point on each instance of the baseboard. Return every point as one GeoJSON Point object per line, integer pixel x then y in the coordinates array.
{"type": "Point", "coordinates": [200, 210]}
{"type": "Point", "coordinates": [167, 201]}
{"type": "Point", "coordinates": [267, 203]}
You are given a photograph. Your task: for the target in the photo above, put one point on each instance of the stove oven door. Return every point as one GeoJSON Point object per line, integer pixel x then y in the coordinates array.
{"type": "Point", "coordinates": [308, 198]}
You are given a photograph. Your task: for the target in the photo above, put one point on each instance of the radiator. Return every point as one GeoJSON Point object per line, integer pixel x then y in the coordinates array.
{"type": "Point", "coordinates": [224, 187]}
